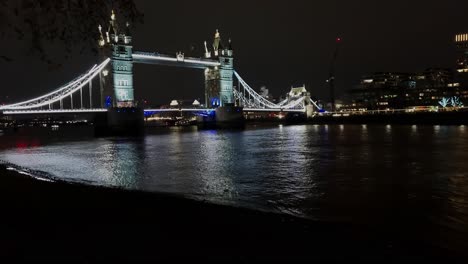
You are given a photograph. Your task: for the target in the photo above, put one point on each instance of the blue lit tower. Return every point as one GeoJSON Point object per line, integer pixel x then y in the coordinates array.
{"type": "Point", "coordinates": [122, 63]}
{"type": "Point", "coordinates": [219, 81]}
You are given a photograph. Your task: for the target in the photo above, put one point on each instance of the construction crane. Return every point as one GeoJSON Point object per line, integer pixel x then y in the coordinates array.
{"type": "Point", "coordinates": [331, 76]}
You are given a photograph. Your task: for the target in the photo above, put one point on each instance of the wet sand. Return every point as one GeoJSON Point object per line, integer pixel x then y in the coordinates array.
{"type": "Point", "coordinates": [47, 221]}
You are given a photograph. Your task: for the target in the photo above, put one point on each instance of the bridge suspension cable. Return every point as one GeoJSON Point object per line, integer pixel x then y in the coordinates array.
{"type": "Point", "coordinates": [258, 100]}
{"type": "Point", "coordinates": [315, 104]}
{"type": "Point", "coordinates": [251, 99]}
{"type": "Point", "coordinates": [59, 94]}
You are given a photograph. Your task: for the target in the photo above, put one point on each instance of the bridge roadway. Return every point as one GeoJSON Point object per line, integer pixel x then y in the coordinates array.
{"type": "Point", "coordinates": [180, 60]}
{"type": "Point", "coordinates": [101, 110]}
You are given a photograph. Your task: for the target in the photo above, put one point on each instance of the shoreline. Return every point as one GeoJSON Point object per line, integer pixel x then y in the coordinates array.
{"type": "Point", "coordinates": [62, 221]}
{"type": "Point", "coordinates": [397, 118]}
{"type": "Point", "coordinates": [377, 118]}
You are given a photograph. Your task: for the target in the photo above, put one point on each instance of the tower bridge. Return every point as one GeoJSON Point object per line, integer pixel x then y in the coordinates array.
{"type": "Point", "coordinates": [217, 63]}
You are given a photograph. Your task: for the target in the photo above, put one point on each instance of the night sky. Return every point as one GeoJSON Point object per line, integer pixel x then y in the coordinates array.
{"type": "Point", "coordinates": [276, 45]}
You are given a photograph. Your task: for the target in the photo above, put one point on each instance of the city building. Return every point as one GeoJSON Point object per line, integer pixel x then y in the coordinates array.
{"type": "Point", "coordinates": [461, 41]}
{"type": "Point", "coordinates": [400, 90]}
{"type": "Point", "coordinates": [265, 93]}
{"type": "Point", "coordinates": [176, 104]}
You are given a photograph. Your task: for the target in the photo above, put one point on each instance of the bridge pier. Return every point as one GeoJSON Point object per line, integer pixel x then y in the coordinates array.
{"type": "Point", "coordinates": [123, 121]}
{"type": "Point", "coordinates": [228, 116]}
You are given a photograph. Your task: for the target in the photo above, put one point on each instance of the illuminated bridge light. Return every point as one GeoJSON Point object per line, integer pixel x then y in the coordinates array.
{"type": "Point", "coordinates": [179, 110]}
{"type": "Point", "coordinates": [140, 57]}
{"type": "Point", "coordinates": [63, 111]}
{"type": "Point", "coordinates": [60, 93]}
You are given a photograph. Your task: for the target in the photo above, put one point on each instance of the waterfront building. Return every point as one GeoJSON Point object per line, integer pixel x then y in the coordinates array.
{"type": "Point", "coordinates": [265, 93]}
{"type": "Point", "coordinates": [396, 90]}
{"type": "Point", "coordinates": [461, 41]}
{"type": "Point", "coordinates": [176, 104]}
{"type": "Point", "coordinates": [400, 90]}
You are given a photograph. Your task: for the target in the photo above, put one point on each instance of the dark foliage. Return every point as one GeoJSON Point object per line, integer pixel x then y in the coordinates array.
{"type": "Point", "coordinates": [71, 23]}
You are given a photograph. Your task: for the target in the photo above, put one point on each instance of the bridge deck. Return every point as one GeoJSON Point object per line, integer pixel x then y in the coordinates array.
{"type": "Point", "coordinates": [54, 111]}
{"type": "Point", "coordinates": [187, 62]}
{"type": "Point", "coordinates": [100, 110]}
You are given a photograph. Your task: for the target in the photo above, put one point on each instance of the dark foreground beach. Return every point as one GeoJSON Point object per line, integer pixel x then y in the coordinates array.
{"type": "Point", "coordinates": [43, 220]}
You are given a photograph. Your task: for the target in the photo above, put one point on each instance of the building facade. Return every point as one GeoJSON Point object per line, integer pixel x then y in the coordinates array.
{"type": "Point", "coordinates": [393, 90]}
{"type": "Point", "coordinates": [461, 41]}
{"type": "Point", "coordinates": [398, 90]}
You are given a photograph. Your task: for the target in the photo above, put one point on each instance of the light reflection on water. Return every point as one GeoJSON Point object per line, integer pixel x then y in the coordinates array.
{"type": "Point", "coordinates": [342, 173]}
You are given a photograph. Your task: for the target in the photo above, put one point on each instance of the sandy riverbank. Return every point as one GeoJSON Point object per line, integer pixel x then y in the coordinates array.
{"type": "Point", "coordinates": [44, 220]}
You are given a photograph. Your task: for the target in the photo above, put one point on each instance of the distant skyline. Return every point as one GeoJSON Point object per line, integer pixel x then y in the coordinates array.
{"type": "Point", "coordinates": [275, 45]}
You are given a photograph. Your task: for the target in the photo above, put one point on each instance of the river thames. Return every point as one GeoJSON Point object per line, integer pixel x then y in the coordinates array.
{"type": "Point", "coordinates": [382, 175]}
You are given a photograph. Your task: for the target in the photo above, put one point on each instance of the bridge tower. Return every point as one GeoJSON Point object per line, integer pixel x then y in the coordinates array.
{"type": "Point", "coordinates": [219, 80]}
{"type": "Point", "coordinates": [219, 90]}
{"type": "Point", "coordinates": [122, 63]}
{"type": "Point", "coordinates": [124, 117]}
{"type": "Point", "coordinates": [226, 73]}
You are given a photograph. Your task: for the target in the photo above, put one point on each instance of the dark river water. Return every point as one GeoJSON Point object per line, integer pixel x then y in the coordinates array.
{"type": "Point", "coordinates": [415, 176]}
